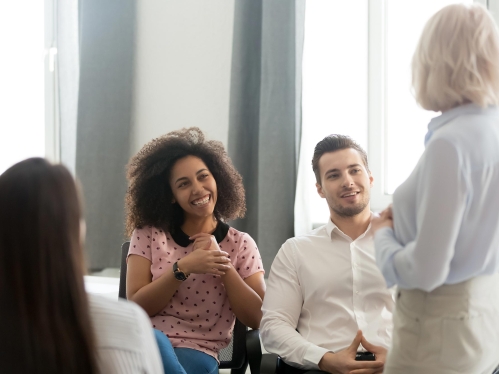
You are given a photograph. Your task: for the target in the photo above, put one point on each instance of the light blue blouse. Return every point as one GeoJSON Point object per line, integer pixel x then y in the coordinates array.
{"type": "Point", "coordinates": [446, 214]}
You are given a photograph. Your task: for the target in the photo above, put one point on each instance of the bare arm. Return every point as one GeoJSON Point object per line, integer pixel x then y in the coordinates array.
{"type": "Point", "coordinates": [245, 296]}
{"type": "Point", "coordinates": [151, 296]}
{"type": "Point", "coordinates": [154, 296]}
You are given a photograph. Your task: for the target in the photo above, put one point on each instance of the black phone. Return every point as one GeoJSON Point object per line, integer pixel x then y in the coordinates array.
{"type": "Point", "coordinates": [365, 356]}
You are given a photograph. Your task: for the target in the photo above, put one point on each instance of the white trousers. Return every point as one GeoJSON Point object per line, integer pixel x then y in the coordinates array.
{"type": "Point", "coordinates": [452, 329]}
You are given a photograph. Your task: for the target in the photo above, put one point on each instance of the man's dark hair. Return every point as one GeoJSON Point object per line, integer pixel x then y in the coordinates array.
{"type": "Point", "coordinates": [332, 143]}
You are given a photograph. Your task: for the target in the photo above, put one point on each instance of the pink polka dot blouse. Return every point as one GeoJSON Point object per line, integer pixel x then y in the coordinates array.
{"type": "Point", "coordinates": [199, 315]}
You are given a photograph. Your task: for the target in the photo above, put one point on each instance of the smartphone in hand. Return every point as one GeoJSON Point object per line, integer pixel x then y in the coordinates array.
{"type": "Point", "coordinates": [365, 356]}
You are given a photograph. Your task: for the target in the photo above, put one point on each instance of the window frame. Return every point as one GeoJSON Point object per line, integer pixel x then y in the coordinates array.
{"type": "Point", "coordinates": [52, 122]}
{"type": "Point", "coordinates": [376, 97]}
{"type": "Point", "coordinates": [376, 103]}
{"type": "Point", "coordinates": [492, 6]}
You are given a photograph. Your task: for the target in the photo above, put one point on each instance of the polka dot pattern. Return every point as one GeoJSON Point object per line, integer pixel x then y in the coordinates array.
{"type": "Point", "coordinates": [199, 315]}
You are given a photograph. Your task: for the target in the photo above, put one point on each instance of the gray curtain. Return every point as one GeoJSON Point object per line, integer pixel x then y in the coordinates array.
{"type": "Point", "coordinates": [107, 38]}
{"type": "Point", "coordinates": [265, 116]}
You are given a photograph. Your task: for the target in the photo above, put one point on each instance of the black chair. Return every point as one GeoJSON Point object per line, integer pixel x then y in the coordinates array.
{"type": "Point", "coordinates": [244, 348]}
{"type": "Point", "coordinates": [270, 363]}
{"type": "Point", "coordinates": [274, 364]}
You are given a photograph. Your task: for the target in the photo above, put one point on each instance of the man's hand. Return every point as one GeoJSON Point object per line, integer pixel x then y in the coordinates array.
{"type": "Point", "coordinates": [379, 352]}
{"type": "Point", "coordinates": [385, 219]}
{"type": "Point", "coordinates": [343, 362]}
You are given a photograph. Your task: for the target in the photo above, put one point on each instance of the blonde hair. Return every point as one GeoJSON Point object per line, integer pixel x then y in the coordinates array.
{"type": "Point", "coordinates": [457, 59]}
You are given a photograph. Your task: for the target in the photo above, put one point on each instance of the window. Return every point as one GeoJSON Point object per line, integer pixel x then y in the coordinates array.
{"type": "Point", "coordinates": [397, 125]}
{"type": "Point", "coordinates": [405, 122]}
{"type": "Point", "coordinates": [334, 90]}
{"type": "Point", "coordinates": [22, 73]}
{"type": "Point", "coordinates": [357, 82]}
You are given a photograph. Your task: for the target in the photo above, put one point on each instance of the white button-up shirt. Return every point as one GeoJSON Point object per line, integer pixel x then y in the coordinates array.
{"type": "Point", "coordinates": [124, 337]}
{"type": "Point", "coordinates": [326, 286]}
{"type": "Point", "coordinates": [446, 214]}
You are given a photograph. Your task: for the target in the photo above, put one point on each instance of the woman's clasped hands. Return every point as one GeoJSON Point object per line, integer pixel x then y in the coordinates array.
{"type": "Point", "coordinates": [206, 257]}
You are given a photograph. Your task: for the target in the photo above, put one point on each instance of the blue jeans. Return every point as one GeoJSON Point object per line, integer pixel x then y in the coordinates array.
{"type": "Point", "coordinates": [184, 360]}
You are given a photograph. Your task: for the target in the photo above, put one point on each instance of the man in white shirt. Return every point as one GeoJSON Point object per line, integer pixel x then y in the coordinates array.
{"type": "Point", "coordinates": [326, 298]}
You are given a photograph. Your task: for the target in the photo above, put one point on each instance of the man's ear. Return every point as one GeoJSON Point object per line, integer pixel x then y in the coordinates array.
{"type": "Point", "coordinates": [371, 179]}
{"type": "Point", "coordinates": [319, 190]}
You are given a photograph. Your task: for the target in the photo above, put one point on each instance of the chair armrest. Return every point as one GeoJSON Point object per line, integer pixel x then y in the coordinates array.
{"type": "Point", "coordinates": [269, 363]}
{"type": "Point", "coordinates": [253, 350]}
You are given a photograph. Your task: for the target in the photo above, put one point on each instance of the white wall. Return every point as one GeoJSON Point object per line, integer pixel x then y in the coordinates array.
{"type": "Point", "coordinates": [183, 65]}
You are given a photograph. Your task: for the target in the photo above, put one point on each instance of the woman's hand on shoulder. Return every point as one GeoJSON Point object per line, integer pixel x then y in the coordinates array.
{"type": "Point", "coordinates": [385, 219]}
{"type": "Point", "coordinates": [206, 257]}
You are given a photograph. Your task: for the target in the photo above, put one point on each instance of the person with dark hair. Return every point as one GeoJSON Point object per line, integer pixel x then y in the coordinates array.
{"type": "Point", "coordinates": [49, 324]}
{"type": "Point", "coordinates": [326, 302]}
{"type": "Point", "coordinates": [190, 271]}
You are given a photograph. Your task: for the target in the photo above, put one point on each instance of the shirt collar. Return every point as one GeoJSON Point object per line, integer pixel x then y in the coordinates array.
{"type": "Point", "coordinates": [449, 115]}
{"type": "Point", "coordinates": [331, 226]}
{"type": "Point", "coordinates": [182, 239]}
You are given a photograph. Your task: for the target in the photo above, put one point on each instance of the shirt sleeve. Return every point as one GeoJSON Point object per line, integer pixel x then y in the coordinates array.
{"type": "Point", "coordinates": [124, 338]}
{"type": "Point", "coordinates": [249, 260]}
{"type": "Point", "coordinates": [151, 356]}
{"type": "Point", "coordinates": [281, 311]}
{"type": "Point", "coordinates": [140, 243]}
{"type": "Point", "coordinates": [442, 194]}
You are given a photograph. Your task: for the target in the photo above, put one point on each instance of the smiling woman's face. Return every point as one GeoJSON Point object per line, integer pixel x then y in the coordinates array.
{"type": "Point", "coordinates": [194, 187]}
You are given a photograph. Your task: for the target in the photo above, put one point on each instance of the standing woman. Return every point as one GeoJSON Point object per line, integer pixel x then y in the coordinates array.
{"type": "Point", "coordinates": [48, 324]}
{"type": "Point", "coordinates": [442, 247]}
{"type": "Point", "coordinates": [190, 271]}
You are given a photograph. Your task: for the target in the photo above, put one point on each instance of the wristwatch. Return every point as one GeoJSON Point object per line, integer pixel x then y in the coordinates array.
{"type": "Point", "coordinates": [179, 274]}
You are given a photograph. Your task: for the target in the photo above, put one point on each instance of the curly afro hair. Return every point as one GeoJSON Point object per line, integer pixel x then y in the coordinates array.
{"type": "Point", "coordinates": [148, 201]}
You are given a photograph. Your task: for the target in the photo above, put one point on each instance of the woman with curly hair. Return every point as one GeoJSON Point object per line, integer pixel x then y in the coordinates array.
{"type": "Point", "coordinates": [190, 271]}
